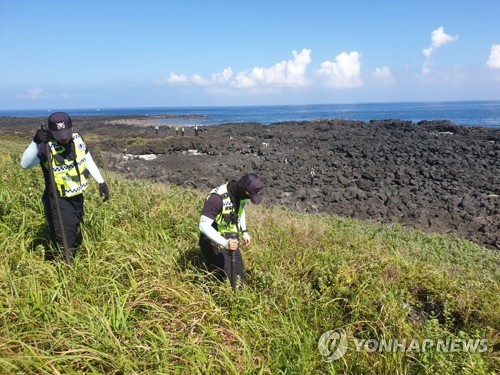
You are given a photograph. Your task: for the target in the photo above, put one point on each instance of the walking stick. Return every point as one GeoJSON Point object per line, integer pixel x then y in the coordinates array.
{"type": "Point", "coordinates": [233, 265]}
{"type": "Point", "coordinates": [233, 270]}
{"type": "Point", "coordinates": [54, 193]}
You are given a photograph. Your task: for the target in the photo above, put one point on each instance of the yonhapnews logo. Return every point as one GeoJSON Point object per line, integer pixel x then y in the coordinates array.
{"type": "Point", "coordinates": [333, 345]}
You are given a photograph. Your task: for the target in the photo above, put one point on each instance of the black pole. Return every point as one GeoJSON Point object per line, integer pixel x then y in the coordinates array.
{"type": "Point", "coordinates": [53, 188]}
{"type": "Point", "coordinates": [232, 254]}
{"type": "Point", "coordinates": [233, 269]}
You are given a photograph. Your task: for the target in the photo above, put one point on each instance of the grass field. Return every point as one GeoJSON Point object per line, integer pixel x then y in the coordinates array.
{"type": "Point", "coordinates": [137, 301]}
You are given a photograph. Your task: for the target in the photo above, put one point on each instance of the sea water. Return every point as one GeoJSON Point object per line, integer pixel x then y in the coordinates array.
{"type": "Point", "coordinates": [471, 113]}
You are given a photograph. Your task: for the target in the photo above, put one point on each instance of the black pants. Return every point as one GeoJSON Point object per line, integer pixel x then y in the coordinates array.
{"type": "Point", "coordinates": [219, 260]}
{"type": "Point", "coordinates": [71, 210]}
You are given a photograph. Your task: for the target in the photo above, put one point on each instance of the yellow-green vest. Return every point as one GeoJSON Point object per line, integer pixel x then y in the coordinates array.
{"type": "Point", "coordinates": [70, 175]}
{"type": "Point", "coordinates": [224, 220]}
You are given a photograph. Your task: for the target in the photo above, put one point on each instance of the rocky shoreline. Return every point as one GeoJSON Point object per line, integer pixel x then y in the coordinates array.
{"type": "Point", "coordinates": [434, 175]}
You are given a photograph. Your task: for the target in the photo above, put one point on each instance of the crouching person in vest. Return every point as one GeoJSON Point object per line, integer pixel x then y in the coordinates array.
{"type": "Point", "coordinates": [72, 164]}
{"type": "Point", "coordinates": [222, 224]}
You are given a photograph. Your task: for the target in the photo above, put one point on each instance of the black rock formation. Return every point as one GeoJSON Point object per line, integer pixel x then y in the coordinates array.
{"type": "Point", "coordinates": [432, 175]}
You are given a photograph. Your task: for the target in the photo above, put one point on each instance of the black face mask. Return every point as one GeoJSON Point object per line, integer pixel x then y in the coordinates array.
{"type": "Point", "coordinates": [241, 192]}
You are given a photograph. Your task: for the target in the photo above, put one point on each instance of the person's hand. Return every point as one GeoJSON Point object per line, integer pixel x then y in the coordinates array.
{"type": "Point", "coordinates": [232, 244]}
{"type": "Point", "coordinates": [42, 136]}
{"type": "Point", "coordinates": [246, 239]}
{"type": "Point", "coordinates": [103, 191]}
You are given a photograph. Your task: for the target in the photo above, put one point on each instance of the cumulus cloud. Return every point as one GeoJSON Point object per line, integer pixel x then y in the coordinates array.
{"type": "Point", "coordinates": [288, 73]}
{"type": "Point", "coordinates": [438, 38]}
{"type": "Point", "coordinates": [345, 72]}
{"type": "Point", "coordinates": [494, 59]}
{"type": "Point", "coordinates": [224, 77]}
{"type": "Point", "coordinates": [176, 79]}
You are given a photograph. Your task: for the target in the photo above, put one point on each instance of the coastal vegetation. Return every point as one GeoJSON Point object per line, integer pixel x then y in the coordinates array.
{"type": "Point", "coordinates": [137, 300]}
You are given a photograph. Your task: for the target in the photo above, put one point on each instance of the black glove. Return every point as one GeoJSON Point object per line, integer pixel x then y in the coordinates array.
{"type": "Point", "coordinates": [42, 136]}
{"type": "Point", "coordinates": [103, 191]}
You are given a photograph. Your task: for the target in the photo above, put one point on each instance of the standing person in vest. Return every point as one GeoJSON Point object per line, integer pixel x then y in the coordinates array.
{"type": "Point", "coordinates": [72, 165]}
{"type": "Point", "coordinates": [223, 220]}
{"type": "Point", "coordinates": [312, 175]}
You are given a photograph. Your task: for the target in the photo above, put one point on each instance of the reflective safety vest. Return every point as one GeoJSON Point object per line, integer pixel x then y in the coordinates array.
{"type": "Point", "coordinates": [227, 221]}
{"type": "Point", "coordinates": [70, 176]}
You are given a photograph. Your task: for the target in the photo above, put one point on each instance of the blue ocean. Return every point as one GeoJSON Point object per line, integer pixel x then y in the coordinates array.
{"type": "Point", "coordinates": [471, 113]}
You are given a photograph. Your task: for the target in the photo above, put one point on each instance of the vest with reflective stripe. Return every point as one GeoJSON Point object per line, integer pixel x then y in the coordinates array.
{"type": "Point", "coordinates": [70, 175]}
{"type": "Point", "coordinates": [226, 220]}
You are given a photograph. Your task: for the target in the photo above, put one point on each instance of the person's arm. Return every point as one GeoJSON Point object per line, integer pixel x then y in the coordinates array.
{"type": "Point", "coordinates": [243, 228]}
{"type": "Point", "coordinates": [30, 156]}
{"type": "Point", "coordinates": [93, 170]}
{"type": "Point", "coordinates": [210, 232]}
{"type": "Point", "coordinates": [243, 222]}
{"type": "Point", "coordinates": [96, 175]}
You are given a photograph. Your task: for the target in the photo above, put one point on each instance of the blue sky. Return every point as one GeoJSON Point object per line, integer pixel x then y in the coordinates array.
{"type": "Point", "coordinates": [151, 53]}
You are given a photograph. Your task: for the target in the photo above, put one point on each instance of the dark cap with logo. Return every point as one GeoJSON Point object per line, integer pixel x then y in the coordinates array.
{"type": "Point", "coordinates": [253, 184]}
{"type": "Point", "coordinates": [60, 125]}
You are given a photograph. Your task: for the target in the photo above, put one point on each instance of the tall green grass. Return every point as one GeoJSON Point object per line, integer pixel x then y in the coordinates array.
{"type": "Point", "coordinates": [137, 300]}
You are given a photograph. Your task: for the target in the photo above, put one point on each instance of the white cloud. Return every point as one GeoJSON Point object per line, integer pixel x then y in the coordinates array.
{"type": "Point", "coordinates": [494, 59]}
{"type": "Point", "coordinates": [384, 75]}
{"type": "Point", "coordinates": [198, 80]}
{"type": "Point", "coordinates": [383, 72]}
{"type": "Point", "coordinates": [176, 79]}
{"type": "Point", "coordinates": [224, 77]}
{"type": "Point", "coordinates": [438, 39]}
{"type": "Point", "coordinates": [344, 73]}
{"type": "Point", "coordinates": [289, 73]}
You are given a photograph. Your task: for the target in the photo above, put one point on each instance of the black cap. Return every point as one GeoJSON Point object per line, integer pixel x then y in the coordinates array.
{"type": "Point", "coordinates": [60, 125]}
{"type": "Point", "coordinates": [253, 184]}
